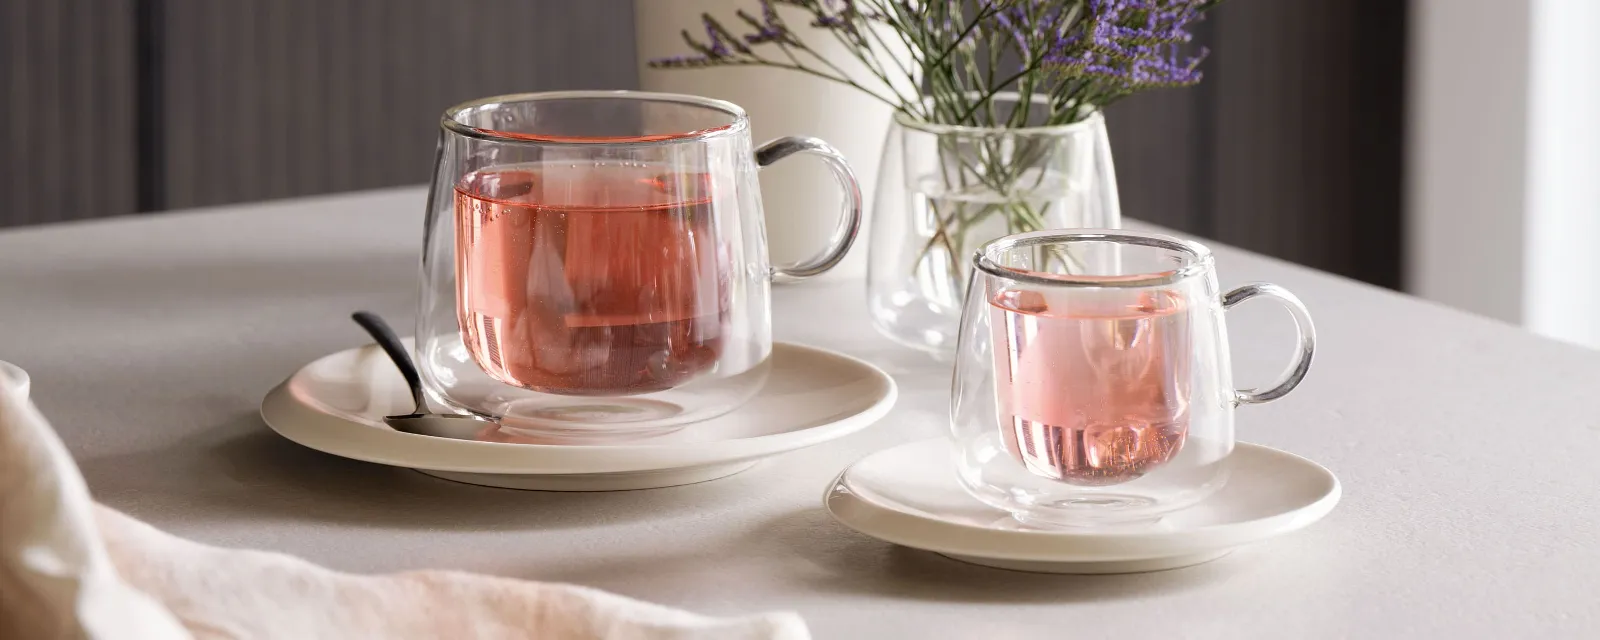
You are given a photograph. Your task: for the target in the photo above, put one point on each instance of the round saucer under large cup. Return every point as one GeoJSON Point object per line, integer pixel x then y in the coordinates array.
{"type": "Point", "coordinates": [909, 495]}
{"type": "Point", "coordinates": [336, 405]}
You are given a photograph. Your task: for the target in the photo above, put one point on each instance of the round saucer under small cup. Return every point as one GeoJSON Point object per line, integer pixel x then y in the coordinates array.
{"type": "Point", "coordinates": [336, 405]}
{"type": "Point", "coordinates": [909, 495]}
{"type": "Point", "coordinates": [15, 377]}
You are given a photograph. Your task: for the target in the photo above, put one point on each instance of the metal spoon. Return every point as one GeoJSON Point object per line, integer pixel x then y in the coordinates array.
{"type": "Point", "coordinates": [421, 421]}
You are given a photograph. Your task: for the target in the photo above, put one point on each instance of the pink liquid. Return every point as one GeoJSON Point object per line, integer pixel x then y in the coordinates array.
{"type": "Point", "coordinates": [1092, 385]}
{"type": "Point", "coordinates": [594, 279]}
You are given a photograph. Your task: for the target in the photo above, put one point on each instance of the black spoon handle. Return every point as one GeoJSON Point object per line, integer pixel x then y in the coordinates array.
{"type": "Point", "coordinates": [385, 337]}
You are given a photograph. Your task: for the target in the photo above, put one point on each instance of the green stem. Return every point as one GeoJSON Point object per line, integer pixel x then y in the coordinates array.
{"type": "Point", "coordinates": [766, 62]}
{"type": "Point", "coordinates": [997, 88]}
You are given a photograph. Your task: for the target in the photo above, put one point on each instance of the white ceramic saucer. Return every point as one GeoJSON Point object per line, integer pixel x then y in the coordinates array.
{"type": "Point", "coordinates": [909, 495]}
{"type": "Point", "coordinates": [337, 403]}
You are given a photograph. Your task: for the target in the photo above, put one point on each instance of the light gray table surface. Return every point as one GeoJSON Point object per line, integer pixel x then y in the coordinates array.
{"type": "Point", "coordinates": [1469, 451]}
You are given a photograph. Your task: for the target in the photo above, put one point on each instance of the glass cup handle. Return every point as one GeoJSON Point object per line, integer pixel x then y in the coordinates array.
{"type": "Point", "coordinates": [1305, 331]}
{"type": "Point", "coordinates": [849, 224]}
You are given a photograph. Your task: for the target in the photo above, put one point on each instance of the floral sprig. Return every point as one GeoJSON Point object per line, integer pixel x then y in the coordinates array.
{"type": "Point", "coordinates": [953, 62]}
{"type": "Point", "coordinates": [1079, 55]}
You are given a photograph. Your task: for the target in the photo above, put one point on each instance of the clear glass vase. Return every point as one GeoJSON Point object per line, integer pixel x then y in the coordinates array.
{"type": "Point", "coordinates": [943, 191]}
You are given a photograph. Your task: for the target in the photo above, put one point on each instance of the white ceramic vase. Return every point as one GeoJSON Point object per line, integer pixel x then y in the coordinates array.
{"type": "Point", "coordinates": [799, 198]}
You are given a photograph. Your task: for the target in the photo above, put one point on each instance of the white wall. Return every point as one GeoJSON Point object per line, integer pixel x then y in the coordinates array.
{"type": "Point", "coordinates": [1561, 242]}
{"type": "Point", "coordinates": [1503, 167]}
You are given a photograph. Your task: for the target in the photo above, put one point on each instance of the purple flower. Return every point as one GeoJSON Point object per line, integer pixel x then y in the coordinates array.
{"type": "Point", "coordinates": [1082, 54]}
{"type": "Point", "coordinates": [1011, 25]}
{"type": "Point", "coordinates": [769, 28]}
{"type": "Point", "coordinates": [719, 40]}
{"type": "Point", "coordinates": [681, 62]}
{"type": "Point", "coordinates": [1026, 19]}
{"type": "Point", "coordinates": [829, 18]}
{"type": "Point", "coordinates": [1133, 44]}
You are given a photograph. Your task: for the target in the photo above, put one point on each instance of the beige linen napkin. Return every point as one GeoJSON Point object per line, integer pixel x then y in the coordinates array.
{"type": "Point", "coordinates": [70, 568]}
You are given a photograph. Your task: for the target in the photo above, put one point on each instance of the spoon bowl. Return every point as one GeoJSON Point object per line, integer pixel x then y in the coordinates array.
{"type": "Point", "coordinates": [442, 425]}
{"type": "Point", "coordinates": [420, 421]}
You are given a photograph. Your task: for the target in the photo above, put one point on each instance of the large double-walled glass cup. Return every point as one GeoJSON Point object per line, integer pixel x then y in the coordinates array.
{"type": "Point", "coordinates": [595, 263]}
{"type": "Point", "coordinates": [1093, 383]}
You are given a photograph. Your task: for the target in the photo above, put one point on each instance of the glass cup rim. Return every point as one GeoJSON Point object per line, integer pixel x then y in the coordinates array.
{"type": "Point", "coordinates": [1199, 258]}
{"type": "Point", "coordinates": [739, 121]}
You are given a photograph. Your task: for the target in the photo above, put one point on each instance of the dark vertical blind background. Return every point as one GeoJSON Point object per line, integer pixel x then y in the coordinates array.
{"type": "Point", "coordinates": [1293, 144]}
{"type": "Point", "coordinates": [68, 96]}
{"type": "Point", "coordinates": [1291, 147]}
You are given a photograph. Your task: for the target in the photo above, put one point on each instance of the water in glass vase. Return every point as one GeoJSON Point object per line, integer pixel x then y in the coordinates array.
{"type": "Point", "coordinates": [590, 279]}
{"type": "Point", "coordinates": [1091, 390]}
{"type": "Point", "coordinates": [955, 216]}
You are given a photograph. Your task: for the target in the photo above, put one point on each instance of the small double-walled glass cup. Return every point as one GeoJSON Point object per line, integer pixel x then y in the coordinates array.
{"type": "Point", "coordinates": [1093, 383]}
